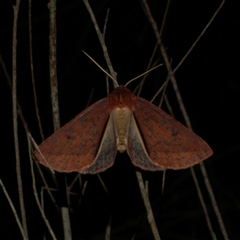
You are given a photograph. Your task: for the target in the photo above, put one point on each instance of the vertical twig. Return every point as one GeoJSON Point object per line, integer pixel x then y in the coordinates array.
{"type": "Point", "coordinates": [30, 139]}
{"type": "Point", "coordinates": [108, 229]}
{"type": "Point", "coordinates": [105, 24]}
{"type": "Point", "coordinates": [35, 96]}
{"type": "Point", "coordinates": [213, 200]}
{"type": "Point", "coordinates": [13, 209]}
{"type": "Point", "coordinates": [31, 66]}
{"type": "Point", "coordinates": [200, 196]}
{"type": "Point", "coordinates": [102, 183]}
{"type": "Point", "coordinates": [155, 48]}
{"type": "Point", "coordinates": [148, 207]}
{"type": "Point", "coordinates": [102, 41]}
{"type": "Point", "coordinates": [66, 223]}
{"type": "Point", "coordinates": [54, 96]}
{"type": "Point", "coordinates": [15, 124]}
{"type": "Point", "coordinates": [148, 66]}
{"type": "Point", "coordinates": [53, 64]}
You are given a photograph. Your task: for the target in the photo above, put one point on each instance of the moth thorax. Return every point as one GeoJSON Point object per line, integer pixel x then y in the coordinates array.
{"type": "Point", "coordinates": [121, 118]}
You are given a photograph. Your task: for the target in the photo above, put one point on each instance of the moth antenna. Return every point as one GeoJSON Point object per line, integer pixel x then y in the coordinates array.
{"type": "Point", "coordinates": [109, 75]}
{"type": "Point", "coordinates": [143, 74]}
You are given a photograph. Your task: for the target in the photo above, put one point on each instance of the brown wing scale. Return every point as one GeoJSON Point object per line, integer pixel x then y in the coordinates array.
{"type": "Point", "coordinates": [168, 143]}
{"type": "Point", "coordinates": [75, 146]}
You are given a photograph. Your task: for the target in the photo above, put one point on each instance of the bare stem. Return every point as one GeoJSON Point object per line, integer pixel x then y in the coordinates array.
{"type": "Point", "coordinates": [32, 69]}
{"type": "Point", "coordinates": [13, 209]}
{"type": "Point", "coordinates": [148, 207]}
{"type": "Point", "coordinates": [66, 223]}
{"type": "Point", "coordinates": [214, 202]}
{"type": "Point", "coordinates": [54, 95]}
{"type": "Point", "coordinates": [35, 193]}
{"type": "Point", "coordinates": [199, 37]}
{"type": "Point", "coordinates": [15, 122]}
{"type": "Point", "coordinates": [53, 64]}
{"type": "Point", "coordinates": [102, 41]}
{"type": "Point", "coordinates": [200, 196]}
{"type": "Point", "coordinates": [108, 229]}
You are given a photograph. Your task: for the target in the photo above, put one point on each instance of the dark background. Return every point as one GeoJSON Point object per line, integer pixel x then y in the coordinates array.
{"type": "Point", "coordinates": [208, 81]}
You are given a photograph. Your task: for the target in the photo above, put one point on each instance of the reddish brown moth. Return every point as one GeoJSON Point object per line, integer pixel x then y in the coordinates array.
{"type": "Point", "coordinates": [122, 122]}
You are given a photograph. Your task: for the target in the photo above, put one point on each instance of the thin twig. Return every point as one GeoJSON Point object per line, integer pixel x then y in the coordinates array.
{"type": "Point", "coordinates": [102, 182]}
{"type": "Point", "coordinates": [158, 91]}
{"type": "Point", "coordinates": [13, 209]}
{"type": "Point", "coordinates": [198, 38]}
{"type": "Point", "coordinates": [143, 74]}
{"type": "Point", "coordinates": [73, 182]}
{"type": "Point", "coordinates": [148, 207]}
{"type": "Point", "coordinates": [83, 188]}
{"type": "Point", "coordinates": [202, 203]}
{"type": "Point", "coordinates": [40, 171]}
{"type": "Point", "coordinates": [90, 98]}
{"type": "Point", "coordinates": [164, 87]}
{"type": "Point", "coordinates": [108, 229]}
{"type": "Point", "coordinates": [36, 195]}
{"type": "Point", "coordinates": [105, 23]}
{"type": "Point", "coordinates": [102, 41]}
{"type": "Point", "coordinates": [107, 85]}
{"type": "Point", "coordinates": [46, 186]}
{"type": "Point", "coordinates": [160, 105]}
{"type": "Point", "coordinates": [214, 202]}
{"type": "Point", "coordinates": [66, 223]}
{"type": "Point", "coordinates": [163, 180]}
{"type": "Point", "coordinates": [54, 95]}
{"type": "Point", "coordinates": [109, 75]}
{"type": "Point", "coordinates": [169, 107]}
{"type": "Point", "coordinates": [179, 98]}
{"type": "Point", "coordinates": [39, 151]}
{"type": "Point", "coordinates": [53, 64]}
{"type": "Point", "coordinates": [32, 70]}
{"type": "Point", "coordinates": [15, 121]}
{"type": "Point", "coordinates": [164, 19]}
{"type": "Point", "coordinates": [156, 47]}
{"type": "Point", "coordinates": [164, 92]}
{"type": "Point", "coordinates": [49, 191]}
{"type": "Point", "coordinates": [148, 66]}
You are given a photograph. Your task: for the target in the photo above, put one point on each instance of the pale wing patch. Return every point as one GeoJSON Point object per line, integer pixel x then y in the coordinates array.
{"type": "Point", "coordinates": [106, 153]}
{"type": "Point", "coordinates": [137, 150]}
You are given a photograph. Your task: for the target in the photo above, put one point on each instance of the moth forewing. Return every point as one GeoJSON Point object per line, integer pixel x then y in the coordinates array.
{"type": "Point", "coordinates": [170, 145]}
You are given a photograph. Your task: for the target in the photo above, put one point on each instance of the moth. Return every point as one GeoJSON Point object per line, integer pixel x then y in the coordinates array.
{"type": "Point", "coordinates": [122, 122]}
